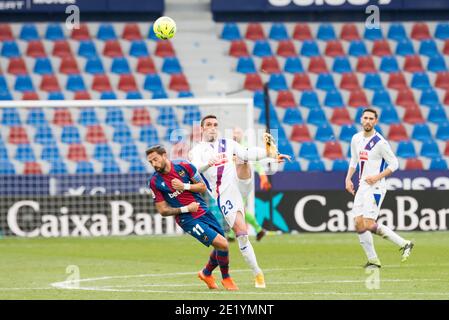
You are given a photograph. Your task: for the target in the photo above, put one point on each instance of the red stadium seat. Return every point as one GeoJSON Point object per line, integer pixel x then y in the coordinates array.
{"type": "Point", "coordinates": [178, 82]}
{"type": "Point", "coordinates": [61, 49]}
{"type": "Point", "coordinates": [62, 117]}
{"type": "Point", "coordinates": [446, 47]}
{"type": "Point", "coordinates": [333, 150]}
{"type": "Point", "coordinates": [127, 83]}
{"type": "Point", "coordinates": [82, 95]}
{"type": "Point", "coordinates": [95, 134]}
{"type": "Point", "coordinates": [254, 31]}
{"type": "Point", "coordinates": [397, 132]}
{"type": "Point", "coordinates": [413, 164]}
{"type": "Point", "coordinates": [317, 65]}
{"type": "Point", "coordinates": [357, 98]}
{"type": "Point", "coordinates": [164, 49]}
{"type": "Point", "coordinates": [413, 64]}
{"type": "Point", "coordinates": [285, 99]}
{"type": "Point", "coordinates": [253, 82]}
{"type": "Point", "coordinates": [420, 31]}
{"type": "Point", "coordinates": [131, 32]}
{"type": "Point", "coordinates": [146, 65]}
{"type": "Point", "coordinates": [17, 66]}
{"type": "Point", "coordinates": [446, 149]}
{"type": "Point", "coordinates": [141, 117]}
{"type": "Point", "coordinates": [366, 65]}
{"type": "Point", "coordinates": [32, 168]}
{"type": "Point", "coordinates": [442, 80]}
{"type": "Point", "coordinates": [301, 82]}
{"type": "Point", "coordinates": [397, 81]}
{"type": "Point", "coordinates": [112, 49]}
{"type": "Point", "coordinates": [286, 48]}
{"type": "Point", "coordinates": [82, 33]}
{"type": "Point", "coordinates": [413, 115]}
{"type": "Point", "coordinates": [349, 32]}
{"type": "Point", "coordinates": [334, 49]}
{"type": "Point", "coordinates": [30, 95]}
{"type": "Point", "coordinates": [270, 65]}
{"type": "Point", "coordinates": [302, 32]}
{"type": "Point", "coordinates": [35, 49]}
{"type": "Point", "coordinates": [300, 133]}
{"type": "Point", "coordinates": [446, 98]}
{"type": "Point", "coordinates": [69, 65]}
{"type": "Point", "coordinates": [101, 83]}
{"type": "Point", "coordinates": [381, 48]}
{"type": "Point", "coordinates": [77, 152]}
{"type": "Point", "coordinates": [17, 135]}
{"type": "Point", "coordinates": [238, 49]}
{"type": "Point", "coordinates": [405, 98]}
{"type": "Point", "coordinates": [340, 116]}
{"type": "Point", "coordinates": [349, 82]}
{"type": "Point", "coordinates": [49, 83]}
{"type": "Point", "coordinates": [6, 32]}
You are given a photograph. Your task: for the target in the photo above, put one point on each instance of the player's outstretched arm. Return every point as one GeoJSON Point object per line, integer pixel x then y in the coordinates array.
{"type": "Point", "coordinates": [198, 187]}
{"type": "Point", "coordinates": [165, 210]}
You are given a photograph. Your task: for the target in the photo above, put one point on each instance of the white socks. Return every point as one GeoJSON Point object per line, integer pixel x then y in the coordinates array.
{"type": "Point", "coordinates": [389, 234]}
{"type": "Point", "coordinates": [366, 240]}
{"type": "Point", "coordinates": [248, 253]}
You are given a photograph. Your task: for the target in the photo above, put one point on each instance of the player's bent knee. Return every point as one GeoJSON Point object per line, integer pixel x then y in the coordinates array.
{"type": "Point", "coordinates": [220, 243]}
{"type": "Point", "coordinates": [359, 224]}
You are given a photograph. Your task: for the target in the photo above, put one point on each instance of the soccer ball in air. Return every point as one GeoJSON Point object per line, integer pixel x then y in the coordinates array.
{"type": "Point", "coordinates": [164, 28]}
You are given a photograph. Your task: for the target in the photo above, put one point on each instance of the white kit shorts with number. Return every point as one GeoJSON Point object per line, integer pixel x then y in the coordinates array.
{"type": "Point", "coordinates": [368, 200]}
{"type": "Point", "coordinates": [230, 201]}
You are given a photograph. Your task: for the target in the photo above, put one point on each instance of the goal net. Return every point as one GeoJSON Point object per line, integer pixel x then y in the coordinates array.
{"type": "Point", "coordinates": [78, 168]}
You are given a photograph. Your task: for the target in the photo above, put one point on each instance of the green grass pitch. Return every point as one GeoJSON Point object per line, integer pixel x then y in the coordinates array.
{"type": "Point", "coordinates": [304, 266]}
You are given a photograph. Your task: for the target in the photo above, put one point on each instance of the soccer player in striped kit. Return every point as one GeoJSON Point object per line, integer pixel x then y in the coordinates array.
{"type": "Point", "coordinates": [372, 152]}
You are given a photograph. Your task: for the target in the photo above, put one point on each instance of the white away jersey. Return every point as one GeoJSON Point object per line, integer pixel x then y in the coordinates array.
{"type": "Point", "coordinates": [372, 154]}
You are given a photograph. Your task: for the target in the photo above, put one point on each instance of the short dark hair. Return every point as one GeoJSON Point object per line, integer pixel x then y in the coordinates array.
{"type": "Point", "coordinates": [209, 116]}
{"type": "Point", "coordinates": [370, 110]}
{"type": "Point", "coordinates": [160, 150]}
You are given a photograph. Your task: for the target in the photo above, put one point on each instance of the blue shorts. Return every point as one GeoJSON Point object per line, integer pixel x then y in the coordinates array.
{"type": "Point", "coordinates": [204, 228]}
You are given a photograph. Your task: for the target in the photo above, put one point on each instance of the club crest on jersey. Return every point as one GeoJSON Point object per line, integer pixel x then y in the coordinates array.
{"type": "Point", "coordinates": [363, 155]}
{"type": "Point", "coordinates": [181, 173]}
{"type": "Point", "coordinates": [205, 238]}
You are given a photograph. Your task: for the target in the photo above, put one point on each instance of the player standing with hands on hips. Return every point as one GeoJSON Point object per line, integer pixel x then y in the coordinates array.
{"type": "Point", "coordinates": [372, 152]}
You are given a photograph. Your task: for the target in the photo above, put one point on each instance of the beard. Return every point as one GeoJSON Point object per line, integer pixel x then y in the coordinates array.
{"type": "Point", "coordinates": [368, 128]}
{"type": "Point", "coordinates": [161, 169]}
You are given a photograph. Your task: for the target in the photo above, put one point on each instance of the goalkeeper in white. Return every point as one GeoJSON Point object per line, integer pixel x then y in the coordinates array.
{"type": "Point", "coordinates": [213, 157]}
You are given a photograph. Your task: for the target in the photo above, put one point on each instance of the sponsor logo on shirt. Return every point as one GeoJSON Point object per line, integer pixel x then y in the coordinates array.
{"type": "Point", "coordinates": [175, 194]}
{"type": "Point", "coordinates": [363, 155]}
{"type": "Point", "coordinates": [222, 159]}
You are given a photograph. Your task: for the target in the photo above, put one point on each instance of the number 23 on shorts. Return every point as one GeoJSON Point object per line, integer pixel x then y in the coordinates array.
{"type": "Point", "coordinates": [227, 206]}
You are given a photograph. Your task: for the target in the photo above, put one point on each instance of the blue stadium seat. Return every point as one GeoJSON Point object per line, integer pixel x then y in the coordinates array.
{"type": "Point", "coordinates": [340, 165]}
{"type": "Point", "coordinates": [262, 49]}
{"type": "Point", "coordinates": [437, 115]}
{"type": "Point", "coordinates": [406, 150]}
{"type": "Point", "coordinates": [420, 80]}
{"type": "Point", "coordinates": [3, 84]}
{"type": "Point", "coordinates": [28, 32]}
{"type": "Point", "coordinates": [88, 117]}
{"type": "Point", "coordinates": [429, 97]}
{"type": "Point", "coordinates": [324, 133]}
{"type": "Point", "coordinates": [171, 65]}
{"type": "Point", "coordinates": [277, 82]}
{"type": "Point", "coordinates": [429, 149]}
{"type": "Point", "coordinates": [317, 117]}
{"type": "Point", "coordinates": [278, 32]}
{"type": "Point", "coordinates": [442, 31]}
{"type": "Point", "coordinates": [341, 65]}
{"type": "Point", "coordinates": [285, 147]}
{"type": "Point", "coordinates": [185, 94]}
{"type": "Point", "coordinates": [274, 121]}
{"type": "Point", "coordinates": [7, 167]}
{"type": "Point", "coordinates": [84, 167]}
{"type": "Point", "coordinates": [103, 152]}
{"type": "Point", "coordinates": [75, 83]}
{"type": "Point", "coordinates": [258, 99]}
{"type": "Point", "coordinates": [70, 135]}
{"type": "Point", "coordinates": [405, 48]}
{"type": "Point", "coordinates": [148, 134]}
{"type": "Point", "coordinates": [373, 81]}
{"type": "Point", "coordinates": [3, 153]}
{"type": "Point", "coordinates": [152, 35]}
{"type": "Point", "coordinates": [310, 49]}
{"type": "Point", "coordinates": [293, 65]}
{"type": "Point", "coordinates": [316, 165]}
{"type": "Point", "coordinates": [373, 34]}
{"type": "Point", "coordinates": [114, 116]}
{"type": "Point", "coordinates": [10, 49]}
{"type": "Point", "coordinates": [54, 32]}
{"type": "Point", "coordinates": [36, 117]}
{"type": "Point", "coordinates": [173, 134]}
{"type": "Point", "coordinates": [58, 167]}
{"type": "Point", "coordinates": [166, 116]}
{"type": "Point", "coordinates": [358, 114]}
{"type": "Point", "coordinates": [106, 32]}
{"type": "Point", "coordinates": [56, 96]}
{"type": "Point", "coordinates": [421, 132]}
{"type": "Point", "coordinates": [122, 134]}
{"type": "Point", "coordinates": [381, 98]}
{"type": "Point", "coordinates": [191, 115]}
{"type": "Point", "coordinates": [292, 116]}
{"type": "Point", "coordinates": [129, 151]}
{"type": "Point", "coordinates": [42, 66]}
{"type": "Point", "coordinates": [443, 131]}
{"type": "Point", "coordinates": [309, 99]}
{"type": "Point", "coordinates": [134, 95]}
{"type": "Point", "coordinates": [24, 153]}
{"type": "Point", "coordinates": [230, 32]}
{"type": "Point", "coordinates": [397, 32]}
{"type": "Point", "coordinates": [138, 49]}
{"type": "Point", "coordinates": [94, 66]}
{"type": "Point", "coordinates": [428, 47]}
{"type": "Point", "coordinates": [50, 152]}
{"type": "Point", "coordinates": [326, 32]}
{"type": "Point", "coordinates": [246, 65]}
{"type": "Point", "coordinates": [389, 64]}
{"type": "Point", "coordinates": [325, 82]}
{"type": "Point", "coordinates": [108, 95]}
{"type": "Point", "coordinates": [110, 166]}
{"type": "Point", "coordinates": [357, 48]}
{"type": "Point", "coordinates": [5, 95]}
{"type": "Point", "coordinates": [438, 164]}
{"type": "Point", "coordinates": [43, 135]}
{"type": "Point", "coordinates": [389, 115]}
{"type": "Point", "coordinates": [153, 82]}
{"type": "Point", "coordinates": [136, 166]}
{"type": "Point", "coordinates": [333, 99]}
{"type": "Point", "coordinates": [436, 64]}
{"type": "Point", "coordinates": [120, 66]}
{"type": "Point", "coordinates": [10, 117]}
{"type": "Point", "coordinates": [292, 166]}
{"type": "Point", "coordinates": [347, 131]}
{"type": "Point", "coordinates": [23, 84]}
{"type": "Point", "coordinates": [87, 49]}
{"type": "Point", "coordinates": [160, 94]}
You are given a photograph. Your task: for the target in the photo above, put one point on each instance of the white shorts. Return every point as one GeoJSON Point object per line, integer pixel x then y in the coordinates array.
{"type": "Point", "coordinates": [230, 201]}
{"type": "Point", "coordinates": [367, 201]}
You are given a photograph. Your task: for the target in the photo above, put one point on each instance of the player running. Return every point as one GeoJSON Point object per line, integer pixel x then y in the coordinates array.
{"type": "Point", "coordinates": [176, 188]}
{"type": "Point", "coordinates": [372, 152]}
{"type": "Point", "coordinates": [213, 158]}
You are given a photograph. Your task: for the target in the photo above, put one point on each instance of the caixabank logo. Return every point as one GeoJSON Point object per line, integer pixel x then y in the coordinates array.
{"type": "Point", "coordinates": [305, 3]}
